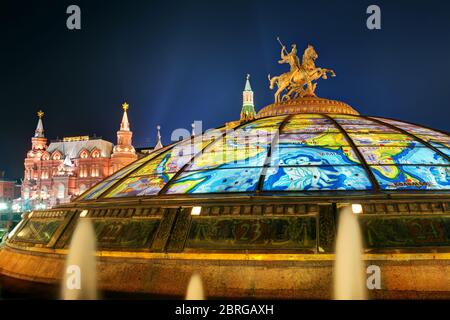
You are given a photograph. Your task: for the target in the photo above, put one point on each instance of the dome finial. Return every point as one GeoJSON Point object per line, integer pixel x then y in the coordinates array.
{"type": "Point", "coordinates": [40, 114]}
{"type": "Point", "coordinates": [125, 106]}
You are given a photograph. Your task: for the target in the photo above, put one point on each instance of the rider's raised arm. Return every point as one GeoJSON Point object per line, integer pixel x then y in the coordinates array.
{"type": "Point", "coordinates": [282, 54]}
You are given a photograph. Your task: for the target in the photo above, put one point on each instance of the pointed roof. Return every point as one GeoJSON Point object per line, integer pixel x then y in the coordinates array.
{"type": "Point", "coordinates": [248, 109]}
{"type": "Point", "coordinates": [125, 124]}
{"type": "Point", "coordinates": [159, 144]}
{"type": "Point", "coordinates": [39, 133]}
{"type": "Point", "coordinates": [248, 87]}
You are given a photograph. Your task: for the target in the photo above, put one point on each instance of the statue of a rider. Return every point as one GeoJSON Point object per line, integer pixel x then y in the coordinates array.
{"type": "Point", "coordinates": [298, 81]}
{"type": "Point", "coordinates": [290, 58]}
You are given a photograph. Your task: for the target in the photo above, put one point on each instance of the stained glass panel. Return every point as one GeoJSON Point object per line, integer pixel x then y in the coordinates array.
{"type": "Point", "coordinates": [411, 128]}
{"type": "Point", "coordinates": [316, 178]}
{"type": "Point", "coordinates": [435, 138]}
{"type": "Point", "coordinates": [230, 158]}
{"type": "Point", "coordinates": [365, 128]}
{"type": "Point", "coordinates": [384, 139]}
{"type": "Point", "coordinates": [238, 142]}
{"type": "Point", "coordinates": [445, 151]}
{"type": "Point", "coordinates": [313, 139]}
{"type": "Point", "coordinates": [401, 155]}
{"type": "Point", "coordinates": [412, 177]}
{"type": "Point", "coordinates": [140, 186]}
{"type": "Point", "coordinates": [309, 128]}
{"type": "Point", "coordinates": [313, 156]}
{"type": "Point", "coordinates": [352, 120]}
{"type": "Point", "coordinates": [167, 162]}
{"type": "Point", "coordinates": [221, 180]}
{"type": "Point", "coordinates": [102, 186]}
{"type": "Point", "coordinates": [266, 122]}
{"type": "Point", "coordinates": [257, 131]}
{"type": "Point", "coordinates": [299, 120]}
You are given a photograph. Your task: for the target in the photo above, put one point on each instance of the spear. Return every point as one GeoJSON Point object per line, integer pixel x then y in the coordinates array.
{"type": "Point", "coordinates": [281, 43]}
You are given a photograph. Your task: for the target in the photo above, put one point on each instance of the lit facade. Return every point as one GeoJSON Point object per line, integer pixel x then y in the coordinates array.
{"type": "Point", "coordinates": [59, 171]}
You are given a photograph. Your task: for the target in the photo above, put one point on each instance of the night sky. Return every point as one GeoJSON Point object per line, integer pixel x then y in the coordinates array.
{"type": "Point", "coordinates": [179, 61]}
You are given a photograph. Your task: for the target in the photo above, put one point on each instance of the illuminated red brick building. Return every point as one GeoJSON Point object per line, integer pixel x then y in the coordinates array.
{"type": "Point", "coordinates": [60, 171]}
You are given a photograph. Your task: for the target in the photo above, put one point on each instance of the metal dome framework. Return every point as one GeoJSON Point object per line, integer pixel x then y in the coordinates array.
{"type": "Point", "coordinates": [298, 153]}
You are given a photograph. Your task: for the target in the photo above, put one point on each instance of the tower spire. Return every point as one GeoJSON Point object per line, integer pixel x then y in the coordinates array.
{"type": "Point", "coordinates": [248, 108]}
{"type": "Point", "coordinates": [39, 133]}
{"type": "Point", "coordinates": [159, 144]}
{"type": "Point", "coordinates": [125, 124]}
{"type": "Point", "coordinates": [124, 152]}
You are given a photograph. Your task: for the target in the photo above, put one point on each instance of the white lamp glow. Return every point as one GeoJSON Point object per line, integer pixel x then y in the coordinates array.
{"type": "Point", "coordinates": [83, 213]}
{"type": "Point", "coordinates": [196, 211]}
{"type": "Point", "coordinates": [357, 208]}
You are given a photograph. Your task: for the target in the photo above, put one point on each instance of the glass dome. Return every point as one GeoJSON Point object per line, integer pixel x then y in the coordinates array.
{"type": "Point", "coordinates": [299, 153]}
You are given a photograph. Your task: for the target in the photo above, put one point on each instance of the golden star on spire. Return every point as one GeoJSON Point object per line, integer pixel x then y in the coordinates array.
{"type": "Point", "coordinates": [40, 114]}
{"type": "Point", "coordinates": [125, 106]}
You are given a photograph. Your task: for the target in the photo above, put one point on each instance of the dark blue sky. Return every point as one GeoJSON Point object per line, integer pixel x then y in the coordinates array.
{"type": "Point", "coordinates": [179, 61]}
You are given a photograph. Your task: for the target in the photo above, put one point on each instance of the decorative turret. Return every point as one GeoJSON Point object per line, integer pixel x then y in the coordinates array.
{"type": "Point", "coordinates": [159, 144]}
{"type": "Point", "coordinates": [39, 142]}
{"type": "Point", "coordinates": [248, 108]}
{"type": "Point", "coordinates": [39, 133]}
{"type": "Point", "coordinates": [125, 124]}
{"type": "Point", "coordinates": [124, 152]}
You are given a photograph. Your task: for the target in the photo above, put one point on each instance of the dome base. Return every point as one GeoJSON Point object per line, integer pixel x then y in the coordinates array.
{"type": "Point", "coordinates": [306, 105]}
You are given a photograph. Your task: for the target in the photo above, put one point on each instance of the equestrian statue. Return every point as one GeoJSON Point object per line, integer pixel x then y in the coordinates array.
{"type": "Point", "coordinates": [298, 81]}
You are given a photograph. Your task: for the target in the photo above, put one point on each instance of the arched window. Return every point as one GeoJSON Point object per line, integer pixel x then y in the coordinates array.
{"type": "Point", "coordinates": [56, 155]}
{"type": "Point", "coordinates": [95, 172]}
{"type": "Point", "coordinates": [95, 153]}
{"type": "Point", "coordinates": [84, 154]}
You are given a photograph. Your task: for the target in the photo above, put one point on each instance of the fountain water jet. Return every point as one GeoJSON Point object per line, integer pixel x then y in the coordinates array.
{"type": "Point", "coordinates": [349, 281]}
{"type": "Point", "coordinates": [80, 273]}
{"type": "Point", "coordinates": [195, 288]}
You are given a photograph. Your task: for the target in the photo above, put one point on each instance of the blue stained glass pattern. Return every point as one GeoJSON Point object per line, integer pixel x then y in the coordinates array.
{"type": "Point", "coordinates": [221, 180]}
{"type": "Point", "coordinates": [440, 145]}
{"type": "Point", "coordinates": [412, 177]}
{"type": "Point", "coordinates": [445, 151]}
{"type": "Point", "coordinates": [233, 158]}
{"type": "Point", "coordinates": [313, 156]}
{"type": "Point", "coordinates": [316, 178]}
